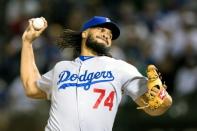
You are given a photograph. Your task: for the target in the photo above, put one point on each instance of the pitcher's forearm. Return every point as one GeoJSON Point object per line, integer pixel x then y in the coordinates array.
{"type": "Point", "coordinates": [29, 71]}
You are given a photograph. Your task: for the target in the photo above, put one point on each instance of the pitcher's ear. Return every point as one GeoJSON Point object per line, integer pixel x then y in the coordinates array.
{"type": "Point", "coordinates": [84, 34]}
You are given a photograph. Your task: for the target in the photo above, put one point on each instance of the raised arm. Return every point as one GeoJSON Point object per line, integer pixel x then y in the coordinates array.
{"type": "Point", "coordinates": [28, 69]}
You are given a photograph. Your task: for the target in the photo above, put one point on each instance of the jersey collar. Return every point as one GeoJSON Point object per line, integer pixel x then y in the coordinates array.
{"type": "Point", "coordinates": [84, 58]}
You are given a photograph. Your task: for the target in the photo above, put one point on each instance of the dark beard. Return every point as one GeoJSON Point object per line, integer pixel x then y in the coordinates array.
{"type": "Point", "coordinates": [99, 48]}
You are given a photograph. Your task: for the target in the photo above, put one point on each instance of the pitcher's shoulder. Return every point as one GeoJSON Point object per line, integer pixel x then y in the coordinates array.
{"type": "Point", "coordinates": [123, 64]}
{"type": "Point", "coordinates": [115, 60]}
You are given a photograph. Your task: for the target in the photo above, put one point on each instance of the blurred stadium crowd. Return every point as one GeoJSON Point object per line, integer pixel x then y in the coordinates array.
{"type": "Point", "coordinates": [160, 32]}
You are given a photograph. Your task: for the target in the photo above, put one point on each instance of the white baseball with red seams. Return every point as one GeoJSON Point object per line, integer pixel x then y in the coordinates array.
{"type": "Point", "coordinates": [85, 93]}
{"type": "Point", "coordinates": [38, 23]}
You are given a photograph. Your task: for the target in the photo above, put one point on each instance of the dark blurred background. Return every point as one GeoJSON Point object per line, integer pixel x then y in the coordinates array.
{"type": "Point", "coordinates": [160, 32]}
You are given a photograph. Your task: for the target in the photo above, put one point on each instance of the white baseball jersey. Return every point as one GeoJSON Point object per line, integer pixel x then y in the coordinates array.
{"type": "Point", "coordinates": [85, 93]}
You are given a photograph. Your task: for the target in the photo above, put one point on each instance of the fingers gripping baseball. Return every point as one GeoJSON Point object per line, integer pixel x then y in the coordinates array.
{"type": "Point", "coordinates": [31, 33]}
{"type": "Point", "coordinates": [156, 90]}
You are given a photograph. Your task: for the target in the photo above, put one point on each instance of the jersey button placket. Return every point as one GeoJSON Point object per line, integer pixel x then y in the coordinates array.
{"type": "Point", "coordinates": [80, 102]}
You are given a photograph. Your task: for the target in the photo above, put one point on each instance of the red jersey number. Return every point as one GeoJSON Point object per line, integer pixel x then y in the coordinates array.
{"type": "Point", "coordinates": [108, 100]}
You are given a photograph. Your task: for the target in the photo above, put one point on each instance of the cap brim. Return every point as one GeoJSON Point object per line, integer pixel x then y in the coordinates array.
{"type": "Point", "coordinates": [111, 26]}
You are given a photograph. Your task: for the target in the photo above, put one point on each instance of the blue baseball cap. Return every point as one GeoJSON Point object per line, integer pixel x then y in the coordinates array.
{"type": "Point", "coordinates": [99, 21]}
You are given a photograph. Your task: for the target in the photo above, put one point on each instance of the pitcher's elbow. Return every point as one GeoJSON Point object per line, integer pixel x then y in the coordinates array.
{"type": "Point", "coordinates": [28, 88]}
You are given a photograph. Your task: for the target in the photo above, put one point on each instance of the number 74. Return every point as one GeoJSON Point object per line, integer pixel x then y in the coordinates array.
{"type": "Point", "coordinates": [108, 101]}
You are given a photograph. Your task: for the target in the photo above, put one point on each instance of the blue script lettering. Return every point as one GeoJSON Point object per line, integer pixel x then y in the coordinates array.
{"type": "Point", "coordinates": [66, 79]}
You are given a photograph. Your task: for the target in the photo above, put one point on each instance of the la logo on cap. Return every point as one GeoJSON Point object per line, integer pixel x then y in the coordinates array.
{"type": "Point", "coordinates": [107, 20]}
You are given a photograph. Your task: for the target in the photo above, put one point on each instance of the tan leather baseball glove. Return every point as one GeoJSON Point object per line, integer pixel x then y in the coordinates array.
{"type": "Point", "coordinates": [156, 89]}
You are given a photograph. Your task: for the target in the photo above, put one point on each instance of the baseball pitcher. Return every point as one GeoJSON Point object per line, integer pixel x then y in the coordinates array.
{"type": "Point", "coordinates": [85, 93]}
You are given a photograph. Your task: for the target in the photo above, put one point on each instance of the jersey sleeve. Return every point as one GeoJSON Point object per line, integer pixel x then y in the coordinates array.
{"type": "Point", "coordinates": [45, 83]}
{"type": "Point", "coordinates": [133, 82]}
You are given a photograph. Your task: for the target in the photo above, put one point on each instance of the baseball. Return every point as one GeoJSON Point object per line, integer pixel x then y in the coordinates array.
{"type": "Point", "coordinates": [38, 23]}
